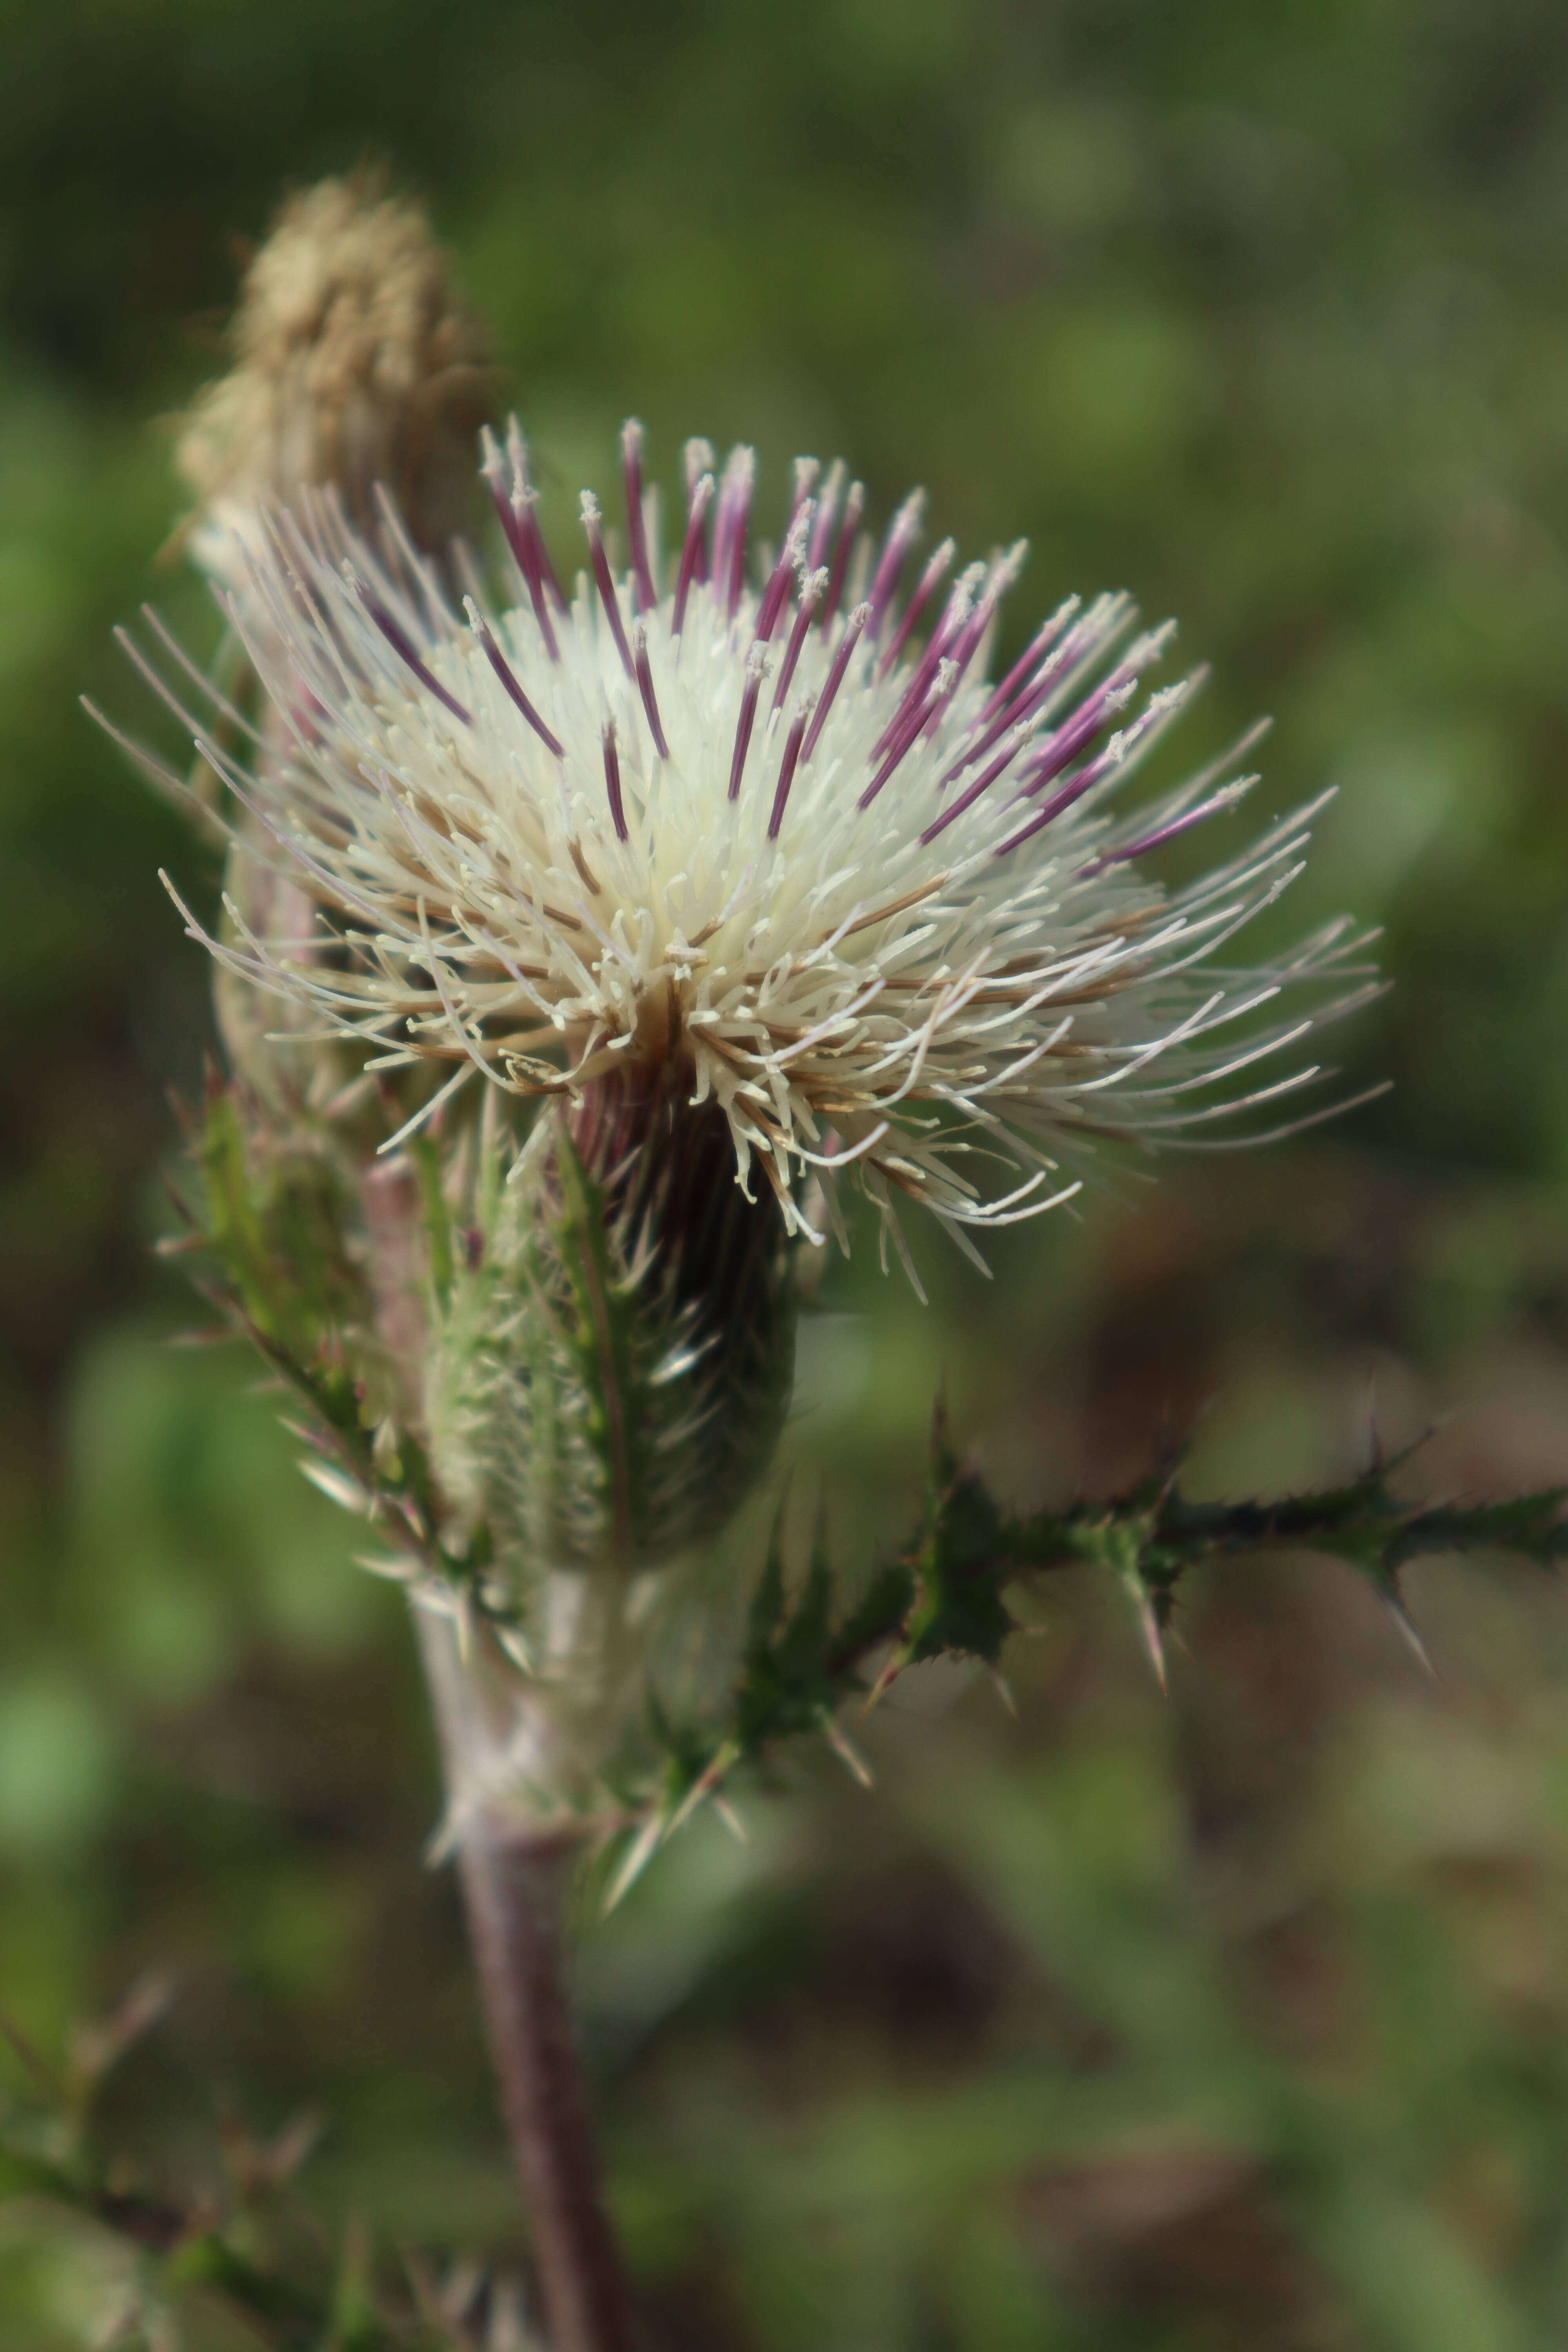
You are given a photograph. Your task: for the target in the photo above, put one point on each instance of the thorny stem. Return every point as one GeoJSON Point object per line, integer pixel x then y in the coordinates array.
{"type": "Point", "coordinates": [514, 1877]}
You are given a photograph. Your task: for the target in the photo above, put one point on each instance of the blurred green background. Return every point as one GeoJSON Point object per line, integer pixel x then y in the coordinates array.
{"type": "Point", "coordinates": [1235, 2022]}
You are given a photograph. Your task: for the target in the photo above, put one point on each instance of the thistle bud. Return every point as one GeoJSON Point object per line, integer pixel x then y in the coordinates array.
{"type": "Point", "coordinates": [356, 363]}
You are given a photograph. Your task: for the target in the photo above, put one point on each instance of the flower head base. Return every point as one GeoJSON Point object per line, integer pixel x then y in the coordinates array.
{"type": "Point", "coordinates": [614, 1369]}
{"type": "Point", "coordinates": [730, 829]}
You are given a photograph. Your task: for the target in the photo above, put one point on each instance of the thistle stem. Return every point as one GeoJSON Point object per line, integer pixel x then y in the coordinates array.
{"type": "Point", "coordinates": [514, 1882]}
{"type": "Point", "coordinates": [514, 1876]}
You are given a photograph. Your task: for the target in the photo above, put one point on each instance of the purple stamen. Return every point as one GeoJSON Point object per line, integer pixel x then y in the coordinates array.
{"type": "Point", "coordinates": [749, 693]}
{"type": "Point", "coordinates": [854, 507]}
{"type": "Point", "coordinates": [613, 778]}
{"type": "Point", "coordinates": [1226, 798]}
{"type": "Point", "coordinates": [810, 597]}
{"type": "Point", "coordinates": [494, 469]}
{"type": "Point", "coordinates": [798, 726]}
{"type": "Point", "coordinates": [522, 498]}
{"type": "Point", "coordinates": [1037, 648]}
{"type": "Point", "coordinates": [1075, 734]}
{"type": "Point", "coordinates": [835, 678]}
{"type": "Point", "coordinates": [644, 686]}
{"type": "Point", "coordinates": [924, 586]}
{"type": "Point", "coordinates": [730, 525]}
{"type": "Point", "coordinates": [914, 694]}
{"type": "Point", "coordinates": [784, 570]}
{"type": "Point", "coordinates": [964, 647]}
{"type": "Point", "coordinates": [694, 551]}
{"type": "Point", "coordinates": [503, 670]}
{"type": "Point", "coordinates": [827, 509]}
{"type": "Point", "coordinates": [1064, 796]}
{"type": "Point", "coordinates": [404, 649]}
{"type": "Point", "coordinates": [901, 536]}
{"type": "Point", "coordinates": [636, 527]}
{"type": "Point", "coordinates": [909, 733]}
{"type": "Point", "coordinates": [535, 575]}
{"type": "Point", "coordinates": [699, 462]}
{"type": "Point", "coordinates": [966, 799]}
{"type": "Point", "coordinates": [515, 513]}
{"type": "Point", "coordinates": [1074, 647]}
{"type": "Point", "coordinates": [607, 596]}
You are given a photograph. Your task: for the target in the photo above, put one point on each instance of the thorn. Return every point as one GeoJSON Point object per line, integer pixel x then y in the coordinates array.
{"type": "Point", "coordinates": [704, 1785]}
{"type": "Point", "coordinates": [1394, 1601]}
{"type": "Point", "coordinates": [1004, 1690]}
{"type": "Point", "coordinates": [395, 1568]}
{"type": "Point", "coordinates": [516, 1645]}
{"type": "Point", "coordinates": [639, 1855]}
{"type": "Point", "coordinates": [347, 1493]}
{"type": "Point", "coordinates": [1147, 1613]}
{"type": "Point", "coordinates": [730, 1819]}
{"type": "Point", "coordinates": [845, 1751]}
{"type": "Point", "coordinates": [179, 1245]}
{"type": "Point", "coordinates": [884, 1682]}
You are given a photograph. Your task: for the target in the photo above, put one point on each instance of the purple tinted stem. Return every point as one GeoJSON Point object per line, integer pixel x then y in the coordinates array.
{"type": "Point", "coordinates": [607, 596]}
{"type": "Point", "coordinates": [914, 694]}
{"type": "Point", "coordinates": [1071, 649]}
{"type": "Point", "coordinates": [503, 670]}
{"type": "Point", "coordinates": [645, 687]}
{"type": "Point", "coordinates": [505, 513]}
{"type": "Point", "coordinates": [404, 649]}
{"type": "Point", "coordinates": [900, 747]}
{"type": "Point", "coordinates": [636, 526]}
{"type": "Point", "coordinates": [542, 553]}
{"type": "Point", "coordinates": [749, 694]}
{"type": "Point", "coordinates": [853, 506]}
{"type": "Point", "coordinates": [827, 513]}
{"type": "Point", "coordinates": [1034, 652]}
{"type": "Point", "coordinates": [613, 779]}
{"type": "Point", "coordinates": [798, 725]}
{"type": "Point", "coordinates": [535, 579]}
{"type": "Point", "coordinates": [1073, 736]}
{"type": "Point", "coordinates": [966, 799]}
{"type": "Point", "coordinates": [810, 596]}
{"type": "Point", "coordinates": [693, 549]}
{"type": "Point", "coordinates": [918, 602]}
{"type": "Point", "coordinates": [776, 592]}
{"type": "Point", "coordinates": [901, 536]}
{"type": "Point", "coordinates": [1226, 798]}
{"type": "Point", "coordinates": [835, 678]}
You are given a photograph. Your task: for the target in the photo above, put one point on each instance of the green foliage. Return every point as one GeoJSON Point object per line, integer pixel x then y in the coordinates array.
{"type": "Point", "coordinates": [237, 2245]}
{"type": "Point", "coordinates": [943, 1594]}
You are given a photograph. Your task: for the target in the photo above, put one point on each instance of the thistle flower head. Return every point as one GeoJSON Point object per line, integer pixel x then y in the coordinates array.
{"type": "Point", "coordinates": [356, 362]}
{"type": "Point", "coordinates": [760, 831]}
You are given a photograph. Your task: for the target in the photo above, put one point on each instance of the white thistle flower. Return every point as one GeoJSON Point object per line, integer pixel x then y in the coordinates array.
{"type": "Point", "coordinates": [734, 825]}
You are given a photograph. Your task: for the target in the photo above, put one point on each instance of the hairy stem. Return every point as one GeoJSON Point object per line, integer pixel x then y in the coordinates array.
{"type": "Point", "coordinates": [514, 1875]}
{"type": "Point", "coordinates": [514, 1879]}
